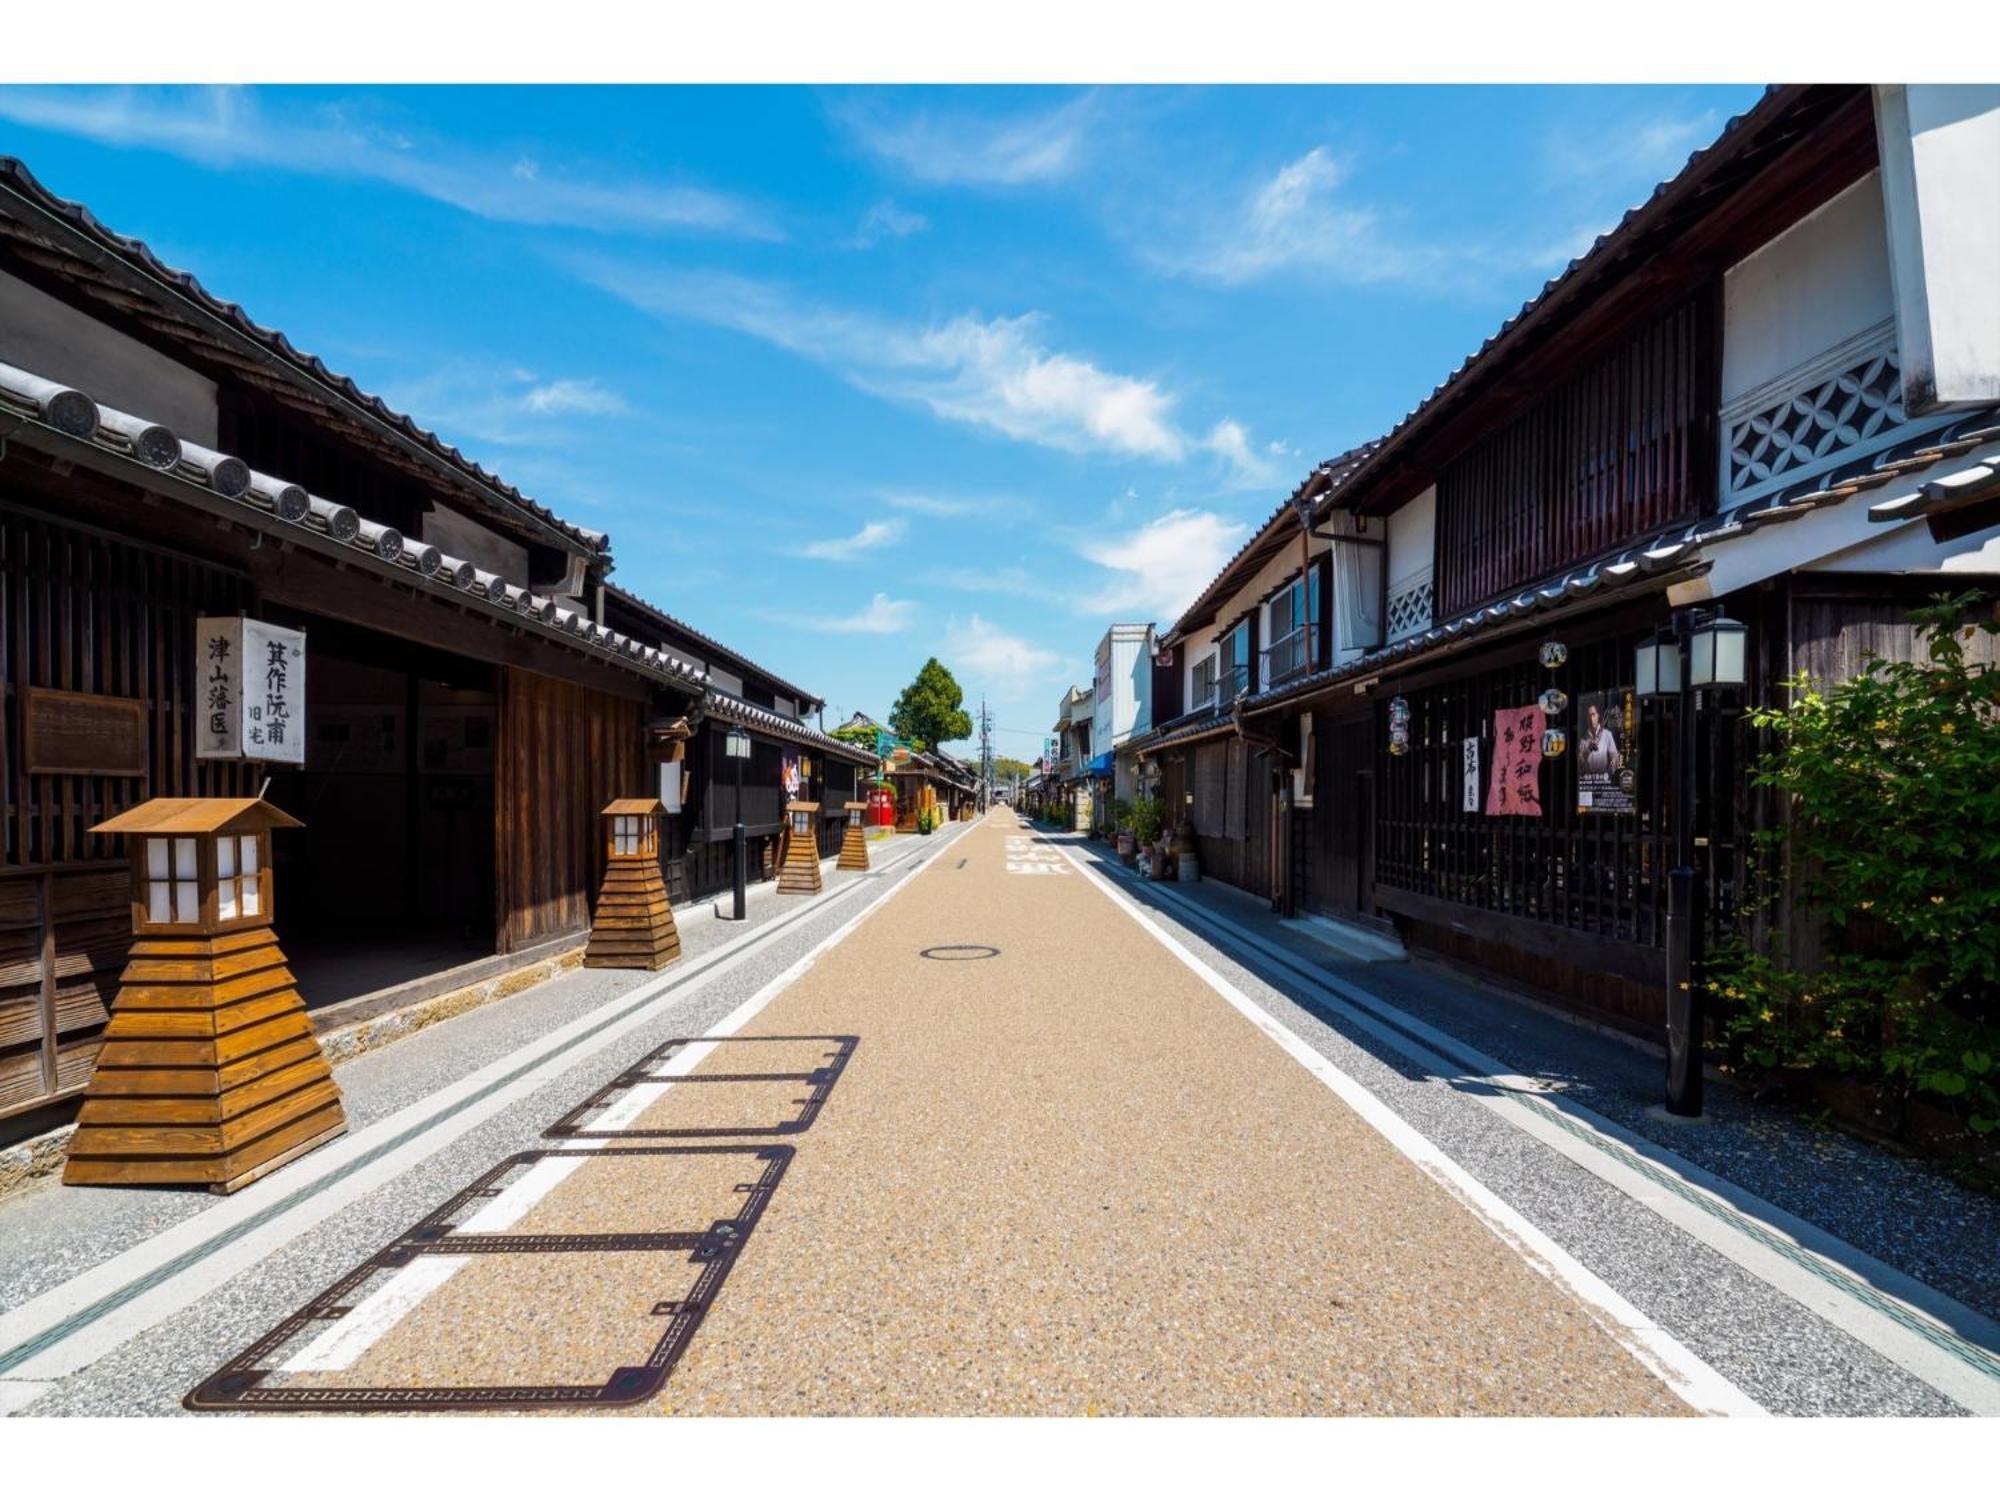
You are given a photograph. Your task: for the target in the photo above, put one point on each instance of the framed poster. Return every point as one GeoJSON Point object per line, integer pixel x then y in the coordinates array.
{"type": "Point", "coordinates": [1606, 751]}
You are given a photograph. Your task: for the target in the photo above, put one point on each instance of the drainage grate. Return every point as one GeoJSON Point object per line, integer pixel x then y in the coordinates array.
{"type": "Point", "coordinates": [575, 1126]}
{"type": "Point", "coordinates": [243, 1384]}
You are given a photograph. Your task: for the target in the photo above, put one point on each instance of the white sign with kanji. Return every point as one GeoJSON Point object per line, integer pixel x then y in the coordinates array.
{"type": "Point", "coordinates": [251, 690]}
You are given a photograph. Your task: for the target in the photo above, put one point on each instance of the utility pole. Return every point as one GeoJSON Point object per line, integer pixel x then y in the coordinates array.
{"type": "Point", "coordinates": [985, 756]}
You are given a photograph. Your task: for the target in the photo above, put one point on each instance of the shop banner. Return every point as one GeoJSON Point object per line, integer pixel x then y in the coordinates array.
{"type": "Point", "coordinates": [1607, 751]}
{"type": "Point", "coordinates": [253, 690]}
{"type": "Point", "coordinates": [1516, 787]}
{"type": "Point", "coordinates": [1469, 766]}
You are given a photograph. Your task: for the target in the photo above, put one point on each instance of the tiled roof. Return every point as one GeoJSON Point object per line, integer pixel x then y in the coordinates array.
{"type": "Point", "coordinates": [1199, 725]}
{"type": "Point", "coordinates": [73, 222]}
{"type": "Point", "coordinates": [1324, 479]}
{"type": "Point", "coordinates": [49, 416]}
{"type": "Point", "coordinates": [1687, 193]}
{"type": "Point", "coordinates": [735, 660]}
{"type": "Point", "coordinates": [1675, 554]}
{"type": "Point", "coordinates": [733, 710]}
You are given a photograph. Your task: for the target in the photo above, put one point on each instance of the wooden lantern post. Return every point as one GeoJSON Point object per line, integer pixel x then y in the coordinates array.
{"type": "Point", "coordinates": [634, 924]}
{"type": "Point", "coordinates": [854, 842]}
{"type": "Point", "coordinates": [801, 868]}
{"type": "Point", "coordinates": [209, 1075]}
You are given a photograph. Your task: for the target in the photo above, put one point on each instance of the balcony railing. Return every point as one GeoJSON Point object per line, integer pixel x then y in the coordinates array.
{"type": "Point", "coordinates": [1284, 658]}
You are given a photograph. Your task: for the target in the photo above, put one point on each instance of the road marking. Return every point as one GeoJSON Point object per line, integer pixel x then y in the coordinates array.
{"type": "Point", "coordinates": [1691, 1378]}
{"type": "Point", "coordinates": [1940, 1341]}
{"type": "Point", "coordinates": [72, 1324]}
{"type": "Point", "coordinates": [1943, 1343]}
{"type": "Point", "coordinates": [347, 1340]}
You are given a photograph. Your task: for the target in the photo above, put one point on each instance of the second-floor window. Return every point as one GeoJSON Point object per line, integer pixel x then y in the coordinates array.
{"type": "Point", "coordinates": [1232, 663]}
{"type": "Point", "coordinates": [1204, 682]}
{"type": "Point", "coordinates": [1294, 616]}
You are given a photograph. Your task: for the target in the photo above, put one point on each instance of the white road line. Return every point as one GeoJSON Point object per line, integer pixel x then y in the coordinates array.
{"type": "Point", "coordinates": [1689, 1377]}
{"type": "Point", "coordinates": [183, 1263]}
{"type": "Point", "coordinates": [1940, 1341]}
{"type": "Point", "coordinates": [353, 1335]}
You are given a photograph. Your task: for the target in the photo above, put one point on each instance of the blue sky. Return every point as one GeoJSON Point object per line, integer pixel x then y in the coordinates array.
{"type": "Point", "coordinates": [854, 377]}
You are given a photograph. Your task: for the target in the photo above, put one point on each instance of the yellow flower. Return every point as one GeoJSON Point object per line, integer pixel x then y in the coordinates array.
{"type": "Point", "coordinates": [1767, 1015]}
{"type": "Point", "coordinates": [1937, 901]}
{"type": "Point", "coordinates": [1881, 723]}
{"type": "Point", "coordinates": [1947, 729]}
{"type": "Point", "coordinates": [1866, 904]}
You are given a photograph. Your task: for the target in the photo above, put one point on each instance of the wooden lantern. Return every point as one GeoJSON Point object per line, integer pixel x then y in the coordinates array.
{"type": "Point", "coordinates": [854, 842]}
{"type": "Point", "coordinates": [801, 868]}
{"type": "Point", "coordinates": [634, 925]}
{"type": "Point", "coordinates": [209, 1075]}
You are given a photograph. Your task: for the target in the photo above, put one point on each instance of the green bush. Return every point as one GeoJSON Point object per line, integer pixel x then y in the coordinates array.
{"type": "Point", "coordinates": [1146, 818]}
{"type": "Point", "coordinates": [1893, 784]}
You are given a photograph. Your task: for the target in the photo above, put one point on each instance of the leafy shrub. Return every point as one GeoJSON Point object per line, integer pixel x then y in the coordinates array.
{"type": "Point", "coordinates": [1893, 785]}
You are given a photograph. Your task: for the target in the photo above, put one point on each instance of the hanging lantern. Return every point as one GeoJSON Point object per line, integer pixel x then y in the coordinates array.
{"type": "Point", "coordinates": [1553, 654]}
{"type": "Point", "coordinates": [1553, 701]}
{"type": "Point", "coordinates": [1399, 726]}
{"type": "Point", "coordinates": [1554, 743]}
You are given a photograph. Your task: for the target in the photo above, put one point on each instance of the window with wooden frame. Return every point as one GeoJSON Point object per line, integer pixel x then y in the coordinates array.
{"type": "Point", "coordinates": [1295, 614]}
{"type": "Point", "coordinates": [1204, 682]}
{"type": "Point", "coordinates": [1232, 667]}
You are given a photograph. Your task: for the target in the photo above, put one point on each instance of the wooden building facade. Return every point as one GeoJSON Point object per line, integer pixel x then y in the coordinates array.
{"type": "Point", "coordinates": [467, 705]}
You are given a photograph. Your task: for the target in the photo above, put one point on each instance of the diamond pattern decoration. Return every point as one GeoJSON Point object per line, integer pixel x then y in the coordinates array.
{"type": "Point", "coordinates": [1816, 424]}
{"type": "Point", "coordinates": [1410, 607]}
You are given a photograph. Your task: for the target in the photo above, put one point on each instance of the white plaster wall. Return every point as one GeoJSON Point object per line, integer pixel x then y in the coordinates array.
{"type": "Point", "coordinates": [1823, 281]}
{"type": "Point", "coordinates": [1412, 537]}
{"type": "Point", "coordinates": [1940, 150]}
{"type": "Point", "coordinates": [52, 339]}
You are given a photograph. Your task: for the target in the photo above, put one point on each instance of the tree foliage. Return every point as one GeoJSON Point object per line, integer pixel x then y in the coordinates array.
{"type": "Point", "coordinates": [1893, 779]}
{"type": "Point", "coordinates": [931, 709]}
{"type": "Point", "coordinates": [1006, 768]}
{"type": "Point", "coordinates": [855, 734]}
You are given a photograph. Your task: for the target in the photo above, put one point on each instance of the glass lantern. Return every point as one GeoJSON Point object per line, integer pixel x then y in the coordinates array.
{"type": "Point", "coordinates": [632, 827]}
{"type": "Point", "coordinates": [200, 864]}
{"type": "Point", "coordinates": [1716, 650]}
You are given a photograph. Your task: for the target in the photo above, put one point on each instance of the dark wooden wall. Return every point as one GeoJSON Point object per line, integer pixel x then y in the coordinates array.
{"type": "Point", "coordinates": [88, 613]}
{"type": "Point", "coordinates": [564, 751]}
{"type": "Point", "coordinates": [1611, 455]}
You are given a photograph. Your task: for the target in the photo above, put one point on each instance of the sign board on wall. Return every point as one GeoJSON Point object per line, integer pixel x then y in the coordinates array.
{"type": "Point", "coordinates": [252, 682]}
{"type": "Point", "coordinates": [1469, 771]}
{"type": "Point", "coordinates": [1516, 788]}
{"type": "Point", "coordinates": [1606, 752]}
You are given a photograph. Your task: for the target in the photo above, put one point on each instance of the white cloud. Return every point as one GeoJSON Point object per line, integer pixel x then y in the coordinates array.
{"type": "Point", "coordinates": [988, 660]}
{"type": "Point", "coordinates": [988, 372]}
{"type": "Point", "coordinates": [978, 150]}
{"type": "Point", "coordinates": [887, 221]}
{"type": "Point", "coordinates": [1156, 571]}
{"type": "Point", "coordinates": [228, 127]}
{"type": "Point", "coordinates": [879, 616]}
{"type": "Point", "coordinates": [1299, 218]}
{"type": "Point", "coordinates": [1640, 154]}
{"type": "Point", "coordinates": [585, 397]}
{"type": "Point", "coordinates": [1230, 441]}
{"type": "Point", "coordinates": [497, 404]}
{"type": "Point", "coordinates": [846, 548]}
{"type": "Point", "coordinates": [942, 505]}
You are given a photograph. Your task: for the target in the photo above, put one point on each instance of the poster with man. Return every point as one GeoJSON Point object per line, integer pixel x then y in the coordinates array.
{"type": "Point", "coordinates": [1606, 751]}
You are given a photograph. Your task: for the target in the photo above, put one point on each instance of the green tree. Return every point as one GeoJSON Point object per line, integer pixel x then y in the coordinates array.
{"type": "Point", "coordinates": [1006, 768]}
{"type": "Point", "coordinates": [931, 709]}
{"type": "Point", "coordinates": [1893, 783]}
{"type": "Point", "coordinates": [855, 734]}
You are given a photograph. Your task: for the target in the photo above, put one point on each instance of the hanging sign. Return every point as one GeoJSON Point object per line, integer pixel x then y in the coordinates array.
{"type": "Point", "coordinates": [1606, 752]}
{"type": "Point", "coordinates": [1469, 768]}
{"type": "Point", "coordinates": [1399, 726]}
{"type": "Point", "coordinates": [1515, 789]}
{"type": "Point", "coordinates": [252, 687]}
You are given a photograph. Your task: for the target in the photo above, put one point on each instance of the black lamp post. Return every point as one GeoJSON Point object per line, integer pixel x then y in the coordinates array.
{"type": "Point", "coordinates": [738, 748]}
{"type": "Point", "coordinates": [1700, 648]}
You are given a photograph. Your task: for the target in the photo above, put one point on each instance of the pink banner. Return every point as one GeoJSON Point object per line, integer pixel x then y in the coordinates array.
{"type": "Point", "coordinates": [1516, 786]}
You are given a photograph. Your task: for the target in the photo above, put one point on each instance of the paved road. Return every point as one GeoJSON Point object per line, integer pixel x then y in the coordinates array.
{"type": "Point", "coordinates": [980, 1134]}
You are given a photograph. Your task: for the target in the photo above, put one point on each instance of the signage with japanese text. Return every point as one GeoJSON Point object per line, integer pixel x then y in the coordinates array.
{"type": "Point", "coordinates": [1516, 787]}
{"type": "Point", "coordinates": [251, 690]}
{"type": "Point", "coordinates": [1607, 752]}
{"type": "Point", "coordinates": [1469, 768]}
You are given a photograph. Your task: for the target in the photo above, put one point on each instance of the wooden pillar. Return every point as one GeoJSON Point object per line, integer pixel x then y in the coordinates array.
{"type": "Point", "coordinates": [210, 1075]}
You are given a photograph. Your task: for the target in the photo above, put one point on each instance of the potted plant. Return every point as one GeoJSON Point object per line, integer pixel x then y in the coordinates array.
{"type": "Point", "coordinates": [1121, 818]}
{"type": "Point", "coordinates": [1145, 824]}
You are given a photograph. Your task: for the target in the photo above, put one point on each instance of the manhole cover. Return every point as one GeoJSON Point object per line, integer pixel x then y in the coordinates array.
{"type": "Point", "coordinates": [959, 952]}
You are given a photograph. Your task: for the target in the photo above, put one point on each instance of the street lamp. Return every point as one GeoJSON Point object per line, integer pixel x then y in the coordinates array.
{"type": "Point", "coordinates": [737, 747]}
{"type": "Point", "coordinates": [1700, 648]}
